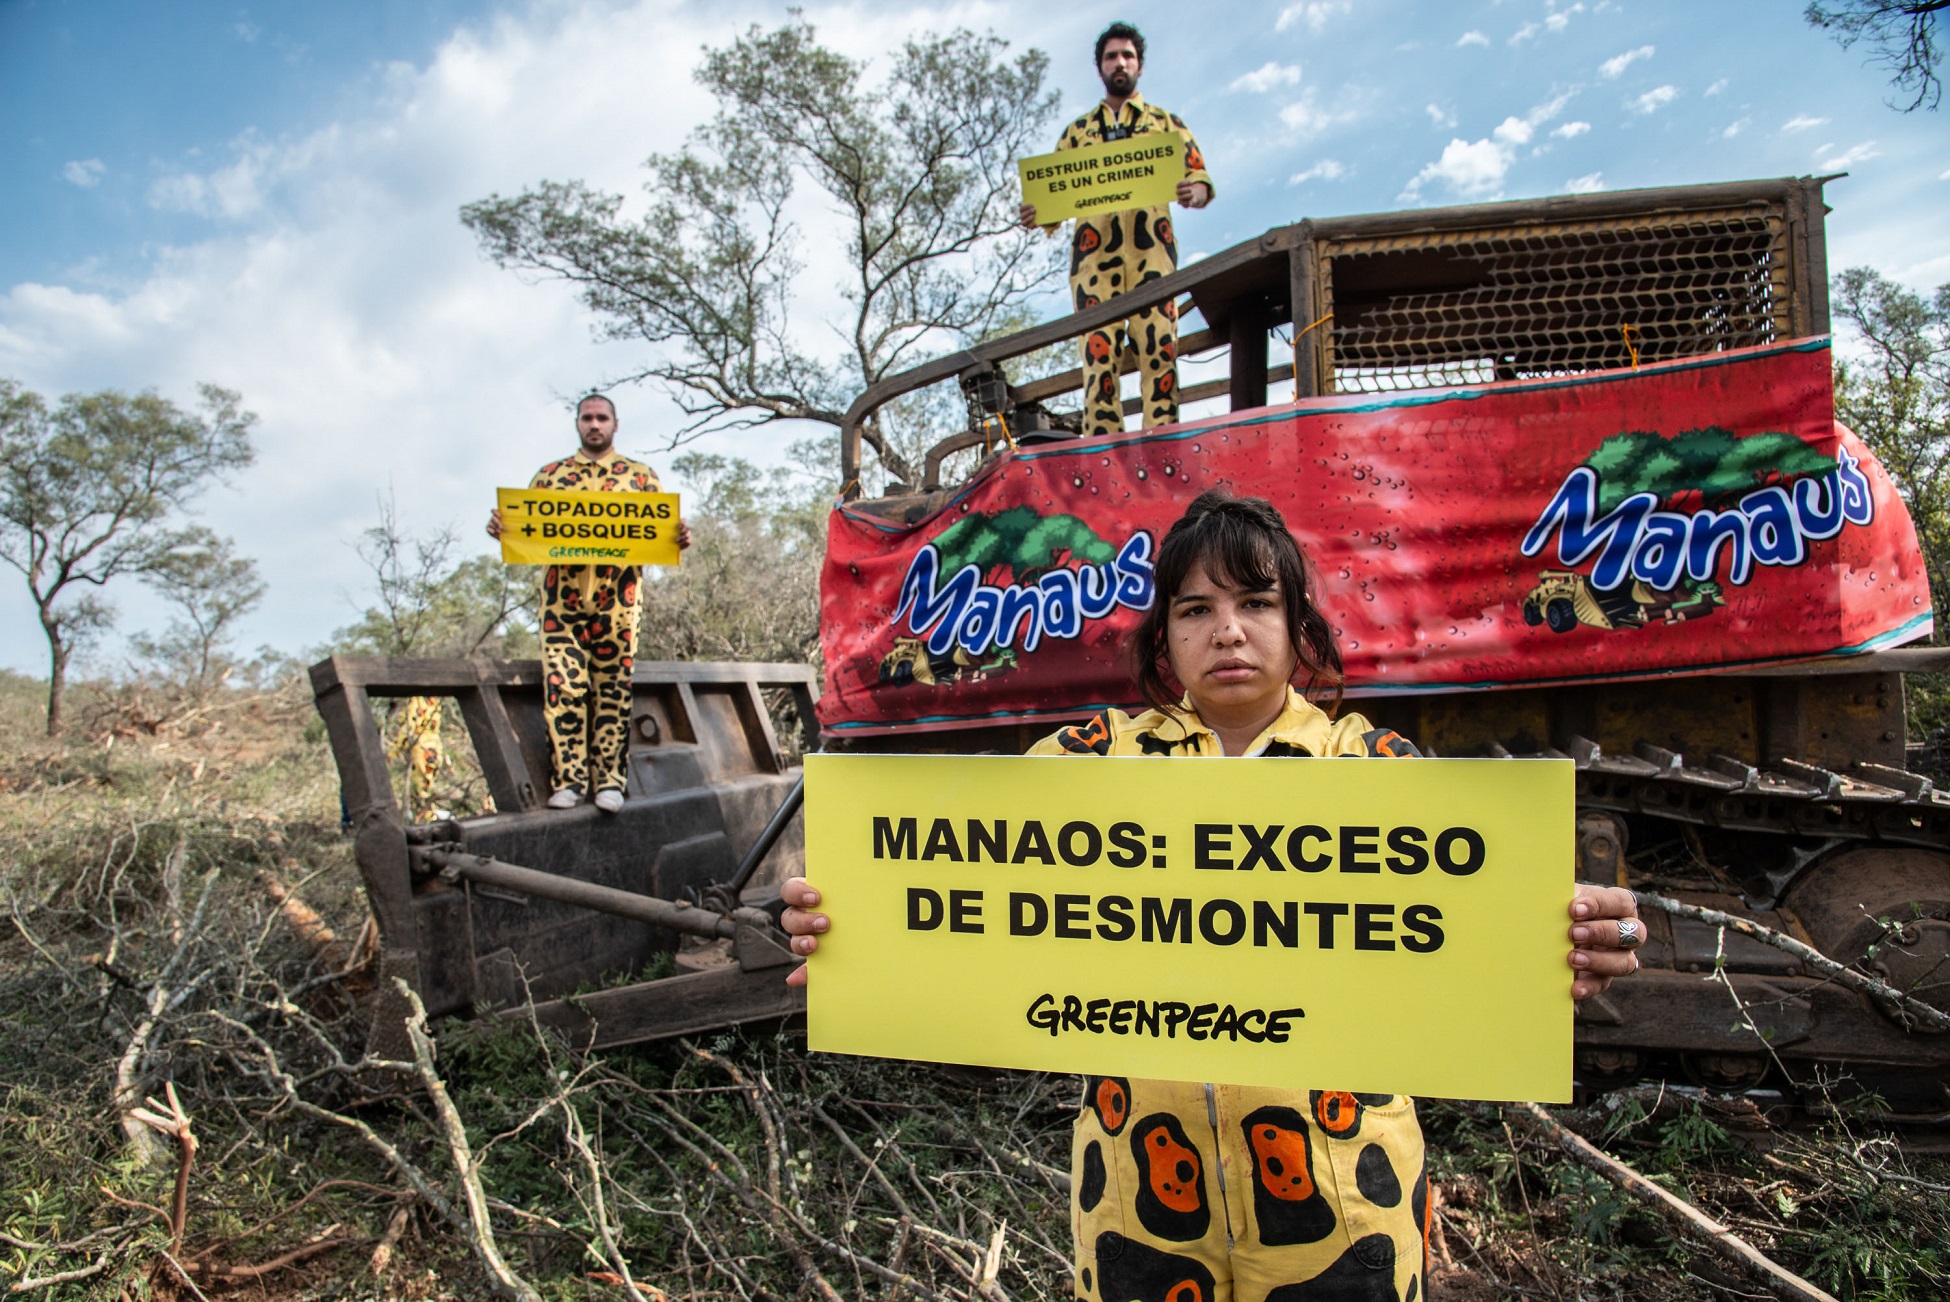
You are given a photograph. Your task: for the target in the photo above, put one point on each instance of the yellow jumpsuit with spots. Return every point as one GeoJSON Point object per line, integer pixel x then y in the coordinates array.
{"type": "Point", "coordinates": [1183, 1192]}
{"type": "Point", "coordinates": [1112, 252]}
{"type": "Point", "coordinates": [416, 739]}
{"type": "Point", "coordinates": [589, 616]}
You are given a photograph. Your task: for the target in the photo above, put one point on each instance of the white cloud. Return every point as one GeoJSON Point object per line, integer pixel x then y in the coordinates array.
{"type": "Point", "coordinates": [1440, 116]}
{"type": "Point", "coordinates": [1555, 21]}
{"type": "Point", "coordinates": [1653, 100]}
{"type": "Point", "coordinates": [1945, 176]}
{"type": "Point", "coordinates": [1735, 128]}
{"type": "Point", "coordinates": [1326, 169]}
{"type": "Point", "coordinates": [1476, 169]}
{"type": "Point", "coordinates": [1831, 162]}
{"type": "Point", "coordinates": [1473, 170]}
{"type": "Point", "coordinates": [1514, 131]}
{"type": "Point", "coordinates": [1472, 38]}
{"type": "Point", "coordinates": [1715, 88]}
{"type": "Point", "coordinates": [1307, 118]}
{"type": "Point", "coordinates": [336, 290]}
{"type": "Point", "coordinates": [248, 32]}
{"type": "Point", "coordinates": [84, 172]}
{"type": "Point", "coordinates": [1314, 13]}
{"type": "Point", "coordinates": [1614, 67]}
{"type": "Point", "coordinates": [1571, 130]}
{"type": "Point", "coordinates": [1589, 183]}
{"type": "Point", "coordinates": [1801, 122]}
{"type": "Point", "coordinates": [1267, 76]}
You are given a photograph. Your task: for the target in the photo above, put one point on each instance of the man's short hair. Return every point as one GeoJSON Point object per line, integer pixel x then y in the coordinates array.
{"type": "Point", "coordinates": [597, 397]}
{"type": "Point", "coordinates": [1120, 32]}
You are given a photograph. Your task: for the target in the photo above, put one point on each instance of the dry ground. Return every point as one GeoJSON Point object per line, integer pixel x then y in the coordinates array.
{"type": "Point", "coordinates": [143, 938]}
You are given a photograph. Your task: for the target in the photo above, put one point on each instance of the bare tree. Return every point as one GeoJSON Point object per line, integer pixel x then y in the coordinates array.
{"type": "Point", "coordinates": [1901, 33]}
{"type": "Point", "coordinates": [85, 489]}
{"type": "Point", "coordinates": [430, 604]}
{"type": "Point", "coordinates": [920, 168]}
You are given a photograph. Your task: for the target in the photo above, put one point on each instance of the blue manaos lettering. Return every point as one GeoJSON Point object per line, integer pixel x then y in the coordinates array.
{"type": "Point", "coordinates": [1769, 526]}
{"type": "Point", "coordinates": [976, 616]}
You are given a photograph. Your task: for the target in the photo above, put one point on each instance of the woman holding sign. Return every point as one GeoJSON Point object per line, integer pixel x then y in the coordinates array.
{"type": "Point", "coordinates": [1190, 1192]}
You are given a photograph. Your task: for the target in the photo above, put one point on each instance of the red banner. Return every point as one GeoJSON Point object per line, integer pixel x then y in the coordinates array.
{"type": "Point", "coordinates": [1622, 524]}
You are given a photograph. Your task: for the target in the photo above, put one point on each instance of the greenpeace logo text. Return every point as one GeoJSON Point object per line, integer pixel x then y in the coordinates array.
{"type": "Point", "coordinates": [966, 612]}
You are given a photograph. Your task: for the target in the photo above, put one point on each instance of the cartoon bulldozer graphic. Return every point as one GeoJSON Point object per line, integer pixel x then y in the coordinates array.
{"type": "Point", "coordinates": [1564, 599]}
{"type": "Point", "coordinates": [911, 662]}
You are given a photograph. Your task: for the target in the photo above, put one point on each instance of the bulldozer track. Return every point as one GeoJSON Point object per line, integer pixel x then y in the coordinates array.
{"type": "Point", "coordinates": [1870, 802]}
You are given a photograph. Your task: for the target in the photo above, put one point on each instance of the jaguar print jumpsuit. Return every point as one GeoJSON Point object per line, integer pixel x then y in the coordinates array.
{"type": "Point", "coordinates": [416, 739]}
{"type": "Point", "coordinates": [1110, 253]}
{"type": "Point", "coordinates": [589, 615]}
{"type": "Point", "coordinates": [1182, 1192]}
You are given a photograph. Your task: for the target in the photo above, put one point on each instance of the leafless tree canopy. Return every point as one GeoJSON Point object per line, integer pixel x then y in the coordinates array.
{"type": "Point", "coordinates": [1902, 35]}
{"type": "Point", "coordinates": [918, 171]}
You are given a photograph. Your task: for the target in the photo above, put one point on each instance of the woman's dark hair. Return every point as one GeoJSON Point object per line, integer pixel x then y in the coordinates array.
{"type": "Point", "coordinates": [1244, 543]}
{"type": "Point", "coordinates": [1120, 32]}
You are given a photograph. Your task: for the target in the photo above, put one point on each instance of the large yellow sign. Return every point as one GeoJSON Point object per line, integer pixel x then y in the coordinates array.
{"type": "Point", "coordinates": [544, 526]}
{"type": "Point", "coordinates": [1380, 926]}
{"type": "Point", "coordinates": [1141, 171]}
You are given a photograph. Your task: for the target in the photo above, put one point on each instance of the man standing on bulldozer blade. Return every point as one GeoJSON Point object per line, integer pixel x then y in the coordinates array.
{"type": "Point", "coordinates": [589, 618]}
{"type": "Point", "coordinates": [1113, 252]}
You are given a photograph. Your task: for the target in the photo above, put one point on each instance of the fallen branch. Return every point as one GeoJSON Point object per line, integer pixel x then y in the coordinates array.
{"type": "Point", "coordinates": [324, 1241]}
{"type": "Point", "coordinates": [99, 1265]}
{"type": "Point", "coordinates": [1934, 1019]}
{"type": "Point", "coordinates": [286, 1086]}
{"type": "Point", "coordinates": [479, 1224]}
{"type": "Point", "coordinates": [171, 1120]}
{"type": "Point", "coordinates": [1782, 1280]}
{"type": "Point", "coordinates": [161, 997]}
{"type": "Point", "coordinates": [382, 1256]}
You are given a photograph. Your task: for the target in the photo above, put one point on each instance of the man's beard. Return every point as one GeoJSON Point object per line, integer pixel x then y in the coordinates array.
{"type": "Point", "coordinates": [1120, 83]}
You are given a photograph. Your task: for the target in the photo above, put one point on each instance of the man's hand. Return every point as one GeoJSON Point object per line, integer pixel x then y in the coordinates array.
{"type": "Point", "coordinates": [1602, 953]}
{"type": "Point", "coordinates": [683, 534]}
{"type": "Point", "coordinates": [1194, 194]}
{"type": "Point", "coordinates": [494, 525]}
{"type": "Point", "coordinates": [804, 926]}
{"type": "Point", "coordinates": [1027, 215]}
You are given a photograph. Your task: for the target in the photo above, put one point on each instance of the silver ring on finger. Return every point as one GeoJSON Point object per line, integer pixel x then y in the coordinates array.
{"type": "Point", "coordinates": [1631, 934]}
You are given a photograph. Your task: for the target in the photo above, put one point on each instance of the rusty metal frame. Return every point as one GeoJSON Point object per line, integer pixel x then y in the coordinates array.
{"type": "Point", "coordinates": [718, 776]}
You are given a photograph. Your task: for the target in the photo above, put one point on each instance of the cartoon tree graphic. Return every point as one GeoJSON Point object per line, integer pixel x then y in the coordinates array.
{"type": "Point", "coordinates": [1713, 463]}
{"type": "Point", "coordinates": [1020, 542]}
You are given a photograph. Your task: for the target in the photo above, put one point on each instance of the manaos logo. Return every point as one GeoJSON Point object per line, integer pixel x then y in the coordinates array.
{"type": "Point", "coordinates": [1665, 512]}
{"type": "Point", "coordinates": [1059, 575]}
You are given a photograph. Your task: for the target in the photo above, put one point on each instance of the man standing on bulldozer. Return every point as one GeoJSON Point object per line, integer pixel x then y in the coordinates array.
{"type": "Point", "coordinates": [589, 619]}
{"type": "Point", "coordinates": [1112, 252]}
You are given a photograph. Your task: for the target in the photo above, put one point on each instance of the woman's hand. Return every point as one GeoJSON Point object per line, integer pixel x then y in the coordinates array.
{"type": "Point", "coordinates": [1604, 947]}
{"type": "Point", "coordinates": [803, 926]}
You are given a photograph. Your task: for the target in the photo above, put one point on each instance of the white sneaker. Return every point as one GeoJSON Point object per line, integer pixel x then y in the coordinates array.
{"type": "Point", "coordinates": [609, 800]}
{"type": "Point", "coordinates": [566, 798]}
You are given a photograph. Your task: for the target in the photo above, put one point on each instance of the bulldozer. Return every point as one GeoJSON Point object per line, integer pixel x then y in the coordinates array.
{"type": "Point", "coordinates": [1714, 624]}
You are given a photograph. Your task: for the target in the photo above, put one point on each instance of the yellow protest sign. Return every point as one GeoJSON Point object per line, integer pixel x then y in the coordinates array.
{"type": "Point", "coordinates": [1141, 171]}
{"type": "Point", "coordinates": [545, 526]}
{"type": "Point", "coordinates": [1383, 926]}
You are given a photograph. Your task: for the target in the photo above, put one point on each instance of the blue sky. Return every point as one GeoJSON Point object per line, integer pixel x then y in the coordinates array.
{"type": "Point", "coordinates": [264, 196]}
